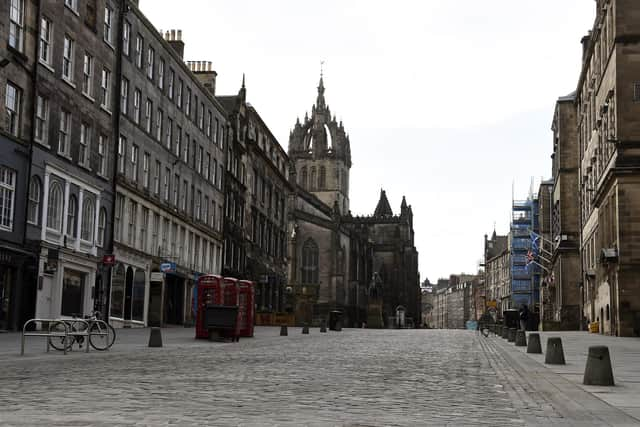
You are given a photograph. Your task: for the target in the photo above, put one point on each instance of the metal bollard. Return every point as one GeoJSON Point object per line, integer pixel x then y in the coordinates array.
{"type": "Point", "coordinates": [554, 354]}
{"type": "Point", "coordinates": [323, 326]}
{"type": "Point", "coordinates": [305, 329]}
{"type": "Point", "coordinates": [534, 345]}
{"type": "Point", "coordinates": [521, 339]}
{"type": "Point", "coordinates": [598, 370]}
{"type": "Point", "coordinates": [283, 331]}
{"type": "Point", "coordinates": [511, 337]}
{"type": "Point", "coordinates": [155, 337]}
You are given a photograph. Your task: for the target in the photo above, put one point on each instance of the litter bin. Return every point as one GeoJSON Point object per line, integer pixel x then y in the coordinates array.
{"type": "Point", "coordinates": [335, 320]}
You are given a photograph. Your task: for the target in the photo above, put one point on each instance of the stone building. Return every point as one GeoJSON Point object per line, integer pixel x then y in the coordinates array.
{"type": "Point", "coordinates": [497, 278]}
{"type": "Point", "coordinates": [18, 266]}
{"type": "Point", "coordinates": [169, 177]}
{"type": "Point", "coordinates": [337, 261]}
{"type": "Point", "coordinates": [607, 110]}
{"type": "Point", "coordinates": [561, 292]}
{"type": "Point", "coordinates": [454, 303]}
{"type": "Point", "coordinates": [257, 189]}
{"type": "Point", "coordinates": [70, 181]}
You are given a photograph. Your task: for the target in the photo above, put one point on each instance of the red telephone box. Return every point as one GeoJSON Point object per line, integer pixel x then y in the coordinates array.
{"type": "Point", "coordinates": [246, 309]}
{"type": "Point", "coordinates": [209, 292]}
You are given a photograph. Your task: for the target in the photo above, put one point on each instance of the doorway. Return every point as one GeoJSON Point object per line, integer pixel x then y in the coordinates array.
{"type": "Point", "coordinates": [173, 300]}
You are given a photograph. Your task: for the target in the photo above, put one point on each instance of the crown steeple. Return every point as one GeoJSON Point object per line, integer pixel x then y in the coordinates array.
{"type": "Point", "coordinates": [320, 102]}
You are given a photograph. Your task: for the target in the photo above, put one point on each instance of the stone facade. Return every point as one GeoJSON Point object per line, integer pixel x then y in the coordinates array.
{"type": "Point", "coordinates": [71, 188]}
{"type": "Point", "coordinates": [18, 274]}
{"type": "Point", "coordinates": [561, 293]}
{"type": "Point", "coordinates": [169, 177]}
{"type": "Point", "coordinates": [257, 189]}
{"type": "Point", "coordinates": [608, 106]}
{"type": "Point", "coordinates": [497, 270]}
{"type": "Point", "coordinates": [455, 301]}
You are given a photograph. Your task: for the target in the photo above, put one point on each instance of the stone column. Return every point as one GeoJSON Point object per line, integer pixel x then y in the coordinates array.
{"type": "Point", "coordinates": [79, 218]}
{"type": "Point", "coordinates": [94, 249]}
{"type": "Point", "coordinates": [65, 209]}
{"type": "Point", "coordinates": [45, 206]}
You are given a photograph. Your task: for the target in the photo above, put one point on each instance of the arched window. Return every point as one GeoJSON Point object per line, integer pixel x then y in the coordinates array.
{"type": "Point", "coordinates": [72, 216]}
{"type": "Point", "coordinates": [34, 200]}
{"type": "Point", "coordinates": [303, 178]}
{"type": "Point", "coordinates": [117, 291]}
{"type": "Point", "coordinates": [310, 262]}
{"type": "Point", "coordinates": [102, 226]}
{"type": "Point", "coordinates": [88, 217]}
{"type": "Point", "coordinates": [312, 181]}
{"type": "Point", "coordinates": [322, 179]}
{"type": "Point", "coordinates": [54, 208]}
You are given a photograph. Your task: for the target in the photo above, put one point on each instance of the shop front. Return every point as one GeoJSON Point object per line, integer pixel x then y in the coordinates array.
{"type": "Point", "coordinates": [67, 284]}
{"type": "Point", "coordinates": [18, 283]}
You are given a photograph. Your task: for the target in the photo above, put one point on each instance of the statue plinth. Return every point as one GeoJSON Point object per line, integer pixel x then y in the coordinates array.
{"type": "Point", "coordinates": [374, 315]}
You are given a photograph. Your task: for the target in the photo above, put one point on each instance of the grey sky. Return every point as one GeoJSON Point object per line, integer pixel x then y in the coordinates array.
{"type": "Point", "coordinates": [446, 101]}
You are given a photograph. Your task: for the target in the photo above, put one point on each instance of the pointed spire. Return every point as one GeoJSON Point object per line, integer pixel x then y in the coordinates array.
{"type": "Point", "coordinates": [243, 90]}
{"type": "Point", "coordinates": [384, 208]}
{"type": "Point", "coordinates": [320, 101]}
{"type": "Point", "coordinates": [403, 205]}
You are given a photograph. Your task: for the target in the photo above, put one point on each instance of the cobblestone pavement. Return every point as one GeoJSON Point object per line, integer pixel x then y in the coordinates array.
{"type": "Point", "coordinates": [357, 377]}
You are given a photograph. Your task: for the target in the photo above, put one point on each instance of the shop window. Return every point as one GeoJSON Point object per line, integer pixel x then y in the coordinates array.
{"type": "Point", "coordinates": [137, 300]}
{"type": "Point", "coordinates": [117, 292]}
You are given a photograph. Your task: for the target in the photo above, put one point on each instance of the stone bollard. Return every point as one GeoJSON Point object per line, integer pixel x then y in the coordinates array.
{"type": "Point", "coordinates": [283, 331]}
{"type": "Point", "coordinates": [554, 354]}
{"type": "Point", "coordinates": [323, 327]}
{"type": "Point", "coordinates": [511, 337]}
{"type": "Point", "coordinates": [521, 338]}
{"type": "Point", "coordinates": [155, 337]}
{"type": "Point", "coordinates": [598, 370]}
{"type": "Point", "coordinates": [305, 329]}
{"type": "Point", "coordinates": [534, 345]}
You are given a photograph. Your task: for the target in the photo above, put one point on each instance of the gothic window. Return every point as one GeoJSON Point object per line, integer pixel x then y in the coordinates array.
{"type": "Point", "coordinates": [310, 262]}
{"type": "Point", "coordinates": [88, 216]}
{"type": "Point", "coordinates": [322, 180]}
{"type": "Point", "coordinates": [303, 178]}
{"type": "Point", "coordinates": [72, 216]}
{"type": "Point", "coordinates": [34, 200]}
{"type": "Point", "coordinates": [54, 209]}
{"type": "Point", "coordinates": [312, 181]}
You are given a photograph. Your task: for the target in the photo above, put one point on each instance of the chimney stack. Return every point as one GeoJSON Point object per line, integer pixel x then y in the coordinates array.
{"type": "Point", "coordinates": [203, 70]}
{"type": "Point", "coordinates": [175, 40]}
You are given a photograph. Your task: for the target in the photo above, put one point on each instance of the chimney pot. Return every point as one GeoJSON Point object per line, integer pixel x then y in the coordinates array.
{"type": "Point", "coordinates": [173, 35]}
{"type": "Point", "coordinates": [179, 34]}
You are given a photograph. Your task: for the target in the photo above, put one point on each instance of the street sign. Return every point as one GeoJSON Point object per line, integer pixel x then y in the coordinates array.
{"type": "Point", "coordinates": [109, 260]}
{"type": "Point", "coordinates": [168, 267]}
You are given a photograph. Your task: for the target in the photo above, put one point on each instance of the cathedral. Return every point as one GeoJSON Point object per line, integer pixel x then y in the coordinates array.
{"type": "Point", "coordinates": [363, 269]}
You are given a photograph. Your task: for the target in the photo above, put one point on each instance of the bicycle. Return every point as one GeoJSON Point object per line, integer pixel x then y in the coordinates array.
{"type": "Point", "coordinates": [101, 335]}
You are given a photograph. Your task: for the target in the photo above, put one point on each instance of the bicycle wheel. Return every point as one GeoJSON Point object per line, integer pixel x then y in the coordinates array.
{"type": "Point", "coordinates": [59, 342]}
{"type": "Point", "coordinates": [101, 335]}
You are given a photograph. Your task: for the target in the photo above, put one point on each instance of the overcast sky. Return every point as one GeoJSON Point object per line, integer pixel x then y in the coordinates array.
{"type": "Point", "coordinates": [447, 102]}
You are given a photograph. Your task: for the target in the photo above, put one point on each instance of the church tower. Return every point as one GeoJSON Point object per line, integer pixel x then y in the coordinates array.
{"type": "Point", "coordinates": [319, 148]}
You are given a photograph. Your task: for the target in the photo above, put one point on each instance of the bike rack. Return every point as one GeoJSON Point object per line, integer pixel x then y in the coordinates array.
{"type": "Point", "coordinates": [50, 333]}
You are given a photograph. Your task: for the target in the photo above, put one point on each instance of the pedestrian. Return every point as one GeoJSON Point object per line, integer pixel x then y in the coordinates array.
{"type": "Point", "coordinates": [524, 316]}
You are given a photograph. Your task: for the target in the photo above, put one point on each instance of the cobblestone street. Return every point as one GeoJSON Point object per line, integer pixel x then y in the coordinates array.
{"type": "Point", "coordinates": [354, 378]}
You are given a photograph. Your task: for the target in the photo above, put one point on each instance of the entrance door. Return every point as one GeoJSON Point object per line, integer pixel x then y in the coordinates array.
{"type": "Point", "coordinates": [128, 292]}
{"type": "Point", "coordinates": [173, 300]}
{"type": "Point", "coordinates": [5, 297]}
